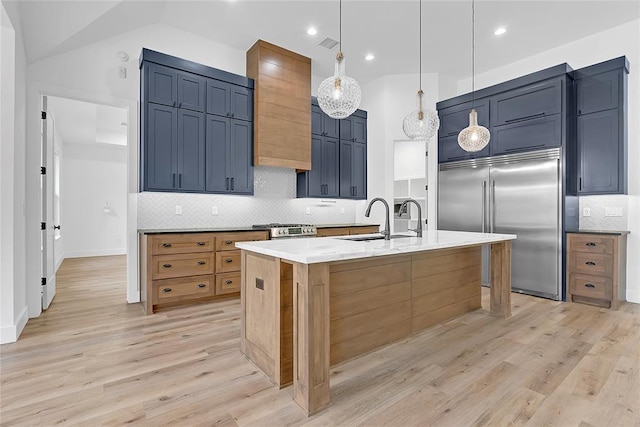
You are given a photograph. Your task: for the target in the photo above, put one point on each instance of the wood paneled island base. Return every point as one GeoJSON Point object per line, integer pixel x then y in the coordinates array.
{"type": "Point", "coordinates": [300, 319]}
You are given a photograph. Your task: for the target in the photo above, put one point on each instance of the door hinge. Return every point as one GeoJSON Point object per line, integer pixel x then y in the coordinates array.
{"type": "Point", "coordinates": [43, 226]}
{"type": "Point", "coordinates": [43, 281]}
{"type": "Point", "coordinates": [43, 170]}
{"type": "Point", "coordinates": [43, 115]}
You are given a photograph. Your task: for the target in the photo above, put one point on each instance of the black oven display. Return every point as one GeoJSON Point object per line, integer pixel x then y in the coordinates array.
{"type": "Point", "coordinates": [295, 230]}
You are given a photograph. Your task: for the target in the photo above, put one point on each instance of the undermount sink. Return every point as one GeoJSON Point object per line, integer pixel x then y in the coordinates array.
{"type": "Point", "coordinates": [367, 238]}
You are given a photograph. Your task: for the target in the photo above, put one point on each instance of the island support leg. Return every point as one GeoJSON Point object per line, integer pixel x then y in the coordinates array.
{"type": "Point", "coordinates": [501, 279]}
{"type": "Point", "coordinates": [311, 336]}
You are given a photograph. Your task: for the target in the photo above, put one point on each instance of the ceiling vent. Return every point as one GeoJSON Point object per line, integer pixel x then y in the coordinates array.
{"type": "Point", "coordinates": [329, 43]}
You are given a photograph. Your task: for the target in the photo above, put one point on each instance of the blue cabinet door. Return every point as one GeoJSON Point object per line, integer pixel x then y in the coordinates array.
{"type": "Point", "coordinates": [241, 157]}
{"type": "Point", "coordinates": [450, 151]}
{"type": "Point", "coordinates": [359, 129]}
{"type": "Point", "coordinates": [191, 150]}
{"type": "Point", "coordinates": [161, 148]}
{"type": "Point", "coordinates": [241, 102]}
{"type": "Point", "coordinates": [454, 119]}
{"type": "Point", "coordinates": [532, 101]}
{"type": "Point", "coordinates": [315, 184]}
{"type": "Point", "coordinates": [359, 171]}
{"type": "Point", "coordinates": [330, 167]}
{"type": "Point", "coordinates": [330, 126]}
{"type": "Point", "coordinates": [527, 135]}
{"type": "Point", "coordinates": [218, 135]}
{"type": "Point", "coordinates": [163, 85]}
{"type": "Point", "coordinates": [316, 120]}
{"type": "Point", "coordinates": [218, 98]}
{"type": "Point", "coordinates": [600, 160]}
{"type": "Point", "coordinates": [191, 91]}
{"type": "Point", "coordinates": [598, 92]}
{"type": "Point", "coordinates": [346, 166]}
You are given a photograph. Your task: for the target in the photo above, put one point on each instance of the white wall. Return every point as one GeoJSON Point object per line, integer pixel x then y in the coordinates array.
{"type": "Point", "coordinates": [94, 174]}
{"type": "Point", "coordinates": [13, 304]}
{"type": "Point", "coordinates": [618, 41]}
{"type": "Point", "coordinates": [388, 100]}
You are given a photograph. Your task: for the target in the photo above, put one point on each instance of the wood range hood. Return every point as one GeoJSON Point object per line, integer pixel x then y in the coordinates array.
{"type": "Point", "coordinates": [282, 106]}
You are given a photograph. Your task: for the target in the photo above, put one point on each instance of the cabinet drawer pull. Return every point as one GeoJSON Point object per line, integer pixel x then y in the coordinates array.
{"type": "Point", "coordinates": [166, 290]}
{"type": "Point", "coordinates": [590, 244]}
{"type": "Point", "coordinates": [166, 265]}
{"type": "Point", "coordinates": [228, 260]}
{"type": "Point", "coordinates": [201, 243]}
{"type": "Point", "coordinates": [228, 282]}
{"type": "Point", "coordinates": [201, 262]}
{"type": "Point", "coordinates": [228, 242]}
{"type": "Point", "coordinates": [166, 245]}
{"type": "Point", "coordinates": [202, 285]}
{"type": "Point", "coordinates": [589, 285]}
{"type": "Point", "coordinates": [590, 263]}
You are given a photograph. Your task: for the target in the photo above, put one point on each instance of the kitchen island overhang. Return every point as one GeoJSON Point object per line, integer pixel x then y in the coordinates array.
{"type": "Point", "coordinates": [308, 304]}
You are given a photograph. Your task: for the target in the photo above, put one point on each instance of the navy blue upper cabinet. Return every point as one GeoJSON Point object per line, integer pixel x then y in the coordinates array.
{"type": "Point", "coordinates": [354, 127]}
{"type": "Point", "coordinates": [600, 96]}
{"type": "Point", "coordinates": [184, 149]}
{"type": "Point", "coordinates": [353, 170]}
{"type": "Point", "coordinates": [163, 85]}
{"type": "Point", "coordinates": [527, 135]}
{"type": "Point", "coordinates": [529, 102]}
{"type": "Point", "coordinates": [229, 100]}
{"type": "Point", "coordinates": [322, 124]}
{"type": "Point", "coordinates": [191, 92]}
{"type": "Point", "coordinates": [323, 178]}
{"type": "Point", "coordinates": [452, 121]}
{"type": "Point", "coordinates": [599, 92]}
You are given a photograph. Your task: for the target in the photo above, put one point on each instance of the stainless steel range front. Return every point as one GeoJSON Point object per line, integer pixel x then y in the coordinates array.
{"type": "Point", "coordinates": [284, 231]}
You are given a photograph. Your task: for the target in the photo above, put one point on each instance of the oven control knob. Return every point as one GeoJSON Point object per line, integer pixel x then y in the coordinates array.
{"type": "Point", "coordinates": [280, 231]}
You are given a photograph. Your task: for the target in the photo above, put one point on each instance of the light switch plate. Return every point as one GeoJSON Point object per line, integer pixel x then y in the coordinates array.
{"type": "Point", "coordinates": [586, 211]}
{"type": "Point", "coordinates": [178, 210]}
{"type": "Point", "coordinates": [214, 210]}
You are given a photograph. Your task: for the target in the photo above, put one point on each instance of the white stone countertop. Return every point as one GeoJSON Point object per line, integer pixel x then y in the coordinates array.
{"type": "Point", "coordinates": [313, 250]}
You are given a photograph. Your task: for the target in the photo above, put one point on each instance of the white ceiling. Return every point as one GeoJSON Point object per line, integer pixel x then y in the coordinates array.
{"type": "Point", "coordinates": [81, 122]}
{"type": "Point", "coordinates": [388, 29]}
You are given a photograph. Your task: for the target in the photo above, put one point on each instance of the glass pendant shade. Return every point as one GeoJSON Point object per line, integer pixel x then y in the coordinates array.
{"type": "Point", "coordinates": [474, 137]}
{"type": "Point", "coordinates": [339, 96]}
{"type": "Point", "coordinates": [421, 123]}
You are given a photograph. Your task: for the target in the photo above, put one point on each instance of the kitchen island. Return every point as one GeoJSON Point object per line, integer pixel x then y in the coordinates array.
{"type": "Point", "coordinates": [311, 303]}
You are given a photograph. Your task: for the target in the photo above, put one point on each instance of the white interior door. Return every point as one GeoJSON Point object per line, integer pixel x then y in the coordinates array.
{"type": "Point", "coordinates": [47, 219]}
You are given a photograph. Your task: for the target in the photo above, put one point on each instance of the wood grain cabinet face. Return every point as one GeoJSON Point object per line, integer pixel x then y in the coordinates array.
{"type": "Point", "coordinates": [227, 283]}
{"type": "Point", "coordinates": [176, 265]}
{"type": "Point", "coordinates": [227, 261]}
{"type": "Point", "coordinates": [183, 288]}
{"type": "Point", "coordinates": [176, 243]}
{"type": "Point", "coordinates": [596, 269]}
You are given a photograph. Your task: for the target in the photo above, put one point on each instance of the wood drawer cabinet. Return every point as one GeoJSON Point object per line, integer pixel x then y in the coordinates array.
{"type": "Point", "coordinates": [345, 231]}
{"type": "Point", "coordinates": [179, 268]}
{"type": "Point", "coordinates": [596, 269]}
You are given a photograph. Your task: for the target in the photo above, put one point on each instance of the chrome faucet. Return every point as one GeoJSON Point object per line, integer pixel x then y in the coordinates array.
{"type": "Point", "coordinates": [418, 230]}
{"type": "Point", "coordinates": [387, 231]}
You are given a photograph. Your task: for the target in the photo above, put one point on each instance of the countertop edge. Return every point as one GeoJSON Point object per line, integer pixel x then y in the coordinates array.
{"type": "Point", "coordinates": [604, 232]}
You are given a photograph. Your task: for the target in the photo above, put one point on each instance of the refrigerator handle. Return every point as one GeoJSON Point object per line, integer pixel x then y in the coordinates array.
{"type": "Point", "coordinates": [484, 203]}
{"type": "Point", "coordinates": [492, 206]}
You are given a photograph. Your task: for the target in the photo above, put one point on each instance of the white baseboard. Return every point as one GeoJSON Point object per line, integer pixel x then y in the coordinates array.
{"type": "Point", "coordinates": [99, 252]}
{"type": "Point", "coordinates": [9, 334]}
{"type": "Point", "coordinates": [633, 296]}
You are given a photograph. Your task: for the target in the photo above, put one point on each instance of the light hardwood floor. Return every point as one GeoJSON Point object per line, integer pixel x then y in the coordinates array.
{"type": "Point", "coordinates": [93, 359]}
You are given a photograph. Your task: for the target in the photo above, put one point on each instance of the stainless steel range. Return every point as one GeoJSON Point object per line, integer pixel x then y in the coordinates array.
{"type": "Point", "coordinates": [283, 231]}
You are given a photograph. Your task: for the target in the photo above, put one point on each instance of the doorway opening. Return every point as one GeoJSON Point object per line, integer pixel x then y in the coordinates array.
{"type": "Point", "coordinates": [84, 183]}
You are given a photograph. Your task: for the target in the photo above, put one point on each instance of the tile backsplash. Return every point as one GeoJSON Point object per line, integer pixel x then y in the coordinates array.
{"type": "Point", "coordinates": [598, 207]}
{"type": "Point", "coordinates": [274, 200]}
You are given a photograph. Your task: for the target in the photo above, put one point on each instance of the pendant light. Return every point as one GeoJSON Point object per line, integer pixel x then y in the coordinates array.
{"type": "Point", "coordinates": [339, 95]}
{"type": "Point", "coordinates": [474, 137]}
{"type": "Point", "coordinates": [421, 123]}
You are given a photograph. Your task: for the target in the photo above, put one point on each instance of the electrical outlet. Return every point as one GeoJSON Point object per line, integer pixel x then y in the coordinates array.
{"type": "Point", "coordinates": [612, 211]}
{"type": "Point", "coordinates": [586, 211]}
{"type": "Point", "coordinates": [122, 72]}
{"type": "Point", "coordinates": [178, 210]}
{"type": "Point", "coordinates": [341, 211]}
{"type": "Point", "coordinates": [307, 210]}
{"type": "Point", "coordinates": [214, 210]}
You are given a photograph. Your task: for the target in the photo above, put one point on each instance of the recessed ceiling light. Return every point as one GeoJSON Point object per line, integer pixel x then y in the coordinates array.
{"type": "Point", "coordinates": [500, 31]}
{"type": "Point", "coordinates": [312, 31]}
{"type": "Point", "coordinates": [369, 57]}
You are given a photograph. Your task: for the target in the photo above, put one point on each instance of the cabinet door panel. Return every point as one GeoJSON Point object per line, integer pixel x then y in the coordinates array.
{"type": "Point", "coordinates": [359, 129]}
{"type": "Point", "coordinates": [346, 168]}
{"type": "Point", "coordinates": [218, 98]}
{"type": "Point", "coordinates": [537, 100]}
{"type": "Point", "coordinates": [599, 92]}
{"type": "Point", "coordinates": [241, 103]}
{"type": "Point", "coordinates": [534, 134]}
{"type": "Point", "coordinates": [191, 150]}
{"type": "Point", "coordinates": [163, 85]}
{"type": "Point", "coordinates": [241, 156]}
{"type": "Point", "coordinates": [359, 171]}
{"type": "Point", "coordinates": [449, 150]}
{"type": "Point", "coordinates": [346, 129]}
{"type": "Point", "coordinates": [456, 118]}
{"type": "Point", "coordinates": [316, 120]}
{"type": "Point", "coordinates": [161, 148]}
{"type": "Point", "coordinates": [330, 126]}
{"type": "Point", "coordinates": [330, 165]}
{"type": "Point", "coordinates": [314, 176]}
{"type": "Point", "coordinates": [191, 91]}
{"type": "Point", "coordinates": [218, 133]}
{"type": "Point", "coordinates": [599, 156]}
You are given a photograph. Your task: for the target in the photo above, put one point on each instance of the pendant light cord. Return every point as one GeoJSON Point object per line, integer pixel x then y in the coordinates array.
{"type": "Point", "coordinates": [340, 25]}
{"type": "Point", "coordinates": [473, 53]}
{"type": "Point", "coordinates": [420, 44]}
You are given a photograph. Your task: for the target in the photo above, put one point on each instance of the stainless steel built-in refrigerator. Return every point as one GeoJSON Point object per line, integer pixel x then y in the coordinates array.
{"type": "Point", "coordinates": [515, 194]}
